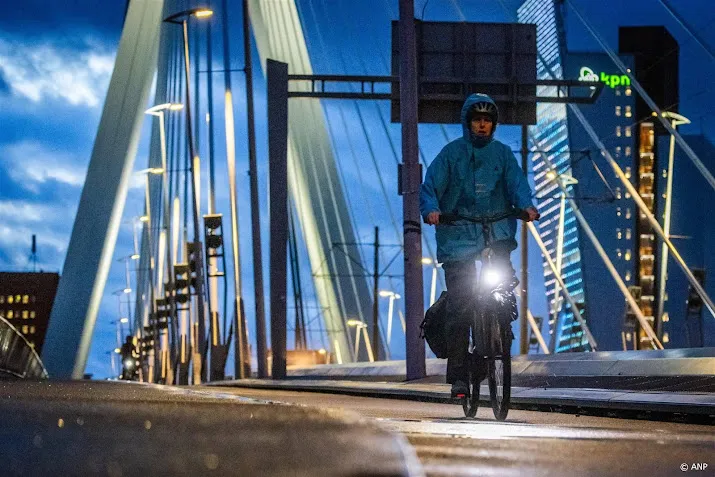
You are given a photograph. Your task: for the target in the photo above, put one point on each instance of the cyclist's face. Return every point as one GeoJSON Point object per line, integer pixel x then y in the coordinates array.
{"type": "Point", "coordinates": [482, 125]}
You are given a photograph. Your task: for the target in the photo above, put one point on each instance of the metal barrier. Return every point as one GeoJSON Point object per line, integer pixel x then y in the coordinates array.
{"type": "Point", "coordinates": [17, 358]}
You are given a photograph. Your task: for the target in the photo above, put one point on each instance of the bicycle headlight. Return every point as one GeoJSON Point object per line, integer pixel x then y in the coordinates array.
{"type": "Point", "coordinates": [492, 277]}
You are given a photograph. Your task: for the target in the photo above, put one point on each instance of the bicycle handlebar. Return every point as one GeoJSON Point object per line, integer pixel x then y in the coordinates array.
{"type": "Point", "coordinates": [450, 218]}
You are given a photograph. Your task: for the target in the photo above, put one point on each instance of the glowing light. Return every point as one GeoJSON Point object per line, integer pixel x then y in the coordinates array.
{"type": "Point", "coordinates": [156, 170]}
{"type": "Point", "coordinates": [203, 13]}
{"type": "Point", "coordinates": [117, 350]}
{"type": "Point", "coordinates": [426, 261]}
{"type": "Point", "coordinates": [176, 106]}
{"type": "Point", "coordinates": [551, 175]}
{"type": "Point", "coordinates": [492, 277]}
{"type": "Point", "coordinates": [357, 323]}
{"type": "Point", "coordinates": [135, 256]}
{"type": "Point", "coordinates": [386, 293]}
{"type": "Point", "coordinates": [322, 351]}
{"type": "Point", "coordinates": [144, 218]}
{"type": "Point", "coordinates": [124, 320]}
{"type": "Point", "coordinates": [127, 290]}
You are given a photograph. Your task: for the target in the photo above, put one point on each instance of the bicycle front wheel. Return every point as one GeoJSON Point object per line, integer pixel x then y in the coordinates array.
{"type": "Point", "coordinates": [500, 385]}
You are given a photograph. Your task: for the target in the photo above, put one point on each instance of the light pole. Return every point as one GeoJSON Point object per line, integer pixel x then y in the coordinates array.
{"type": "Point", "coordinates": [392, 296]}
{"type": "Point", "coordinates": [362, 327]}
{"type": "Point", "coordinates": [433, 286]}
{"type": "Point", "coordinates": [200, 12]}
{"type": "Point", "coordinates": [676, 120]}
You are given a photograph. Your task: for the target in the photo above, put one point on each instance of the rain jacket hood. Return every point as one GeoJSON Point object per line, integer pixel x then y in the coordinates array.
{"type": "Point", "coordinates": [467, 133]}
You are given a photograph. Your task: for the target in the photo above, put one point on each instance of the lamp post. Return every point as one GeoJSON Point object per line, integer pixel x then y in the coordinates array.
{"type": "Point", "coordinates": [392, 296]}
{"type": "Point", "coordinates": [433, 286]}
{"type": "Point", "coordinates": [676, 120]}
{"type": "Point", "coordinates": [362, 327]}
{"type": "Point", "coordinates": [199, 12]}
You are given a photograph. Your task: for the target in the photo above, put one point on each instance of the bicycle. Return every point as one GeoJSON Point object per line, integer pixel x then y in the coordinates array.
{"type": "Point", "coordinates": [491, 334]}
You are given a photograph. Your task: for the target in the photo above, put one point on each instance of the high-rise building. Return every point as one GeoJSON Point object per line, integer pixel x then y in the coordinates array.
{"type": "Point", "coordinates": [26, 301]}
{"type": "Point", "coordinates": [601, 197]}
{"type": "Point", "coordinates": [550, 142]}
{"type": "Point", "coordinates": [623, 122]}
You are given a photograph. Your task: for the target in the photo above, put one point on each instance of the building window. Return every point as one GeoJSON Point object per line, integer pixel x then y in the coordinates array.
{"type": "Point", "coordinates": [618, 91]}
{"type": "Point", "coordinates": [628, 195]}
{"type": "Point", "coordinates": [32, 329]}
{"type": "Point", "coordinates": [629, 112]}
{"type": "Point", "coordinates": [619, 234]}
{"type": "Point", "coordinates": [628, 213]}
{"type": "Point", "coordinates": [25, 299]}
{"type": "Point", "coordinates": [10, 314]}
{"type": "Point", "coordinates": [629, 234]}
{"type": "Point", "coordinates": [618, 131]}
{"type": "Point", "coordinates": [24, 329]}
{"type": "Point", "coordinates": [628, 255]}
{"type": "Point", "coordinates": [618, 211]}
{"type": "Point", "coordinates": [2, 299]}
{"type": "Point", "coordinates": [628, 172]}
{"type": "Point", "coordinates": [628, 131]}
{"type": "Point", "coordinates": [619, 254]}
{"type": "Point", "coordinates": [18, 298]}
{"type": "Point", "coordinates": [33, 298]}
{"type": "Point", "coordinates": [25, 314]}
{"type": "Point", "coordinates": [618, 110]}
{"type": "Point", "coordinates": [32, 315]}
{"type": "Point", "coordinates": [628, 151]}
{"type": "Point", "coordinates": [618, 193]}
{"type": "Point", "coordinates": [628, 276]}
{"type": "Point", "coordinates": [10, 299]}
{"type": "Point", "coordinates": [629, 91]}
{"type": "Point", "coordinates": [618, 151]}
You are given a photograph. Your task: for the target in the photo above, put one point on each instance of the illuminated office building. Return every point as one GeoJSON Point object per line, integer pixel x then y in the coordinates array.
{"type": "Point", "coordinates": [550, 141]}
{"type": "Point", "coordinates": [26, 300]}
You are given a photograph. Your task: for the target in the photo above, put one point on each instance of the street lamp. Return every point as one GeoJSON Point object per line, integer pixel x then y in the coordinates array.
{"type": "Point", "coordinates": [392, 296]}
{"type": "Point", "coordinates": [199, 12]}
{"type": "Point", "coordinates": [676, 120]}
{"type": "Point", "coordinates": [361, 326]}
{"type": "Point", "coordinates": [433, 286]}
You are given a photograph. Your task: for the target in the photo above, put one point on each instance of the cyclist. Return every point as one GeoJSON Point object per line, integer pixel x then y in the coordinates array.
{"type": "Point", "coordinates": [474, 175]}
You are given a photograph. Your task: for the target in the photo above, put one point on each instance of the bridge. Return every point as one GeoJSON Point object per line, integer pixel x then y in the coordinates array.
{"type": "Point", "coordinates": [616, 319]}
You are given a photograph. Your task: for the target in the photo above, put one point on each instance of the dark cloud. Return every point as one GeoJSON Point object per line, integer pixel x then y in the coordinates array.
{"type": "Point", "coordinates": [66, 18]}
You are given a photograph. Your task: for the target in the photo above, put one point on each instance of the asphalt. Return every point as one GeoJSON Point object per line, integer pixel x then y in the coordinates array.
{"type": "Point", "coordinates": [657, 405]}
{"type": "Point", "coordinates": [529, 443]}
{"type": "Point", "coordinates": [127, 429]}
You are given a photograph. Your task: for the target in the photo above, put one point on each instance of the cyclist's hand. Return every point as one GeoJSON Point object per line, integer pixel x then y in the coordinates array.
{"type": "Point", "coordinates": [432, 218]}
{"type": "Point", "coordinates": [532, 213]}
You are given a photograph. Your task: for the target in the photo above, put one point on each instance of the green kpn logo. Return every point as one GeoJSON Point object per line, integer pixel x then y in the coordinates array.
{"type": "Point", "coordinates": [587, 74]}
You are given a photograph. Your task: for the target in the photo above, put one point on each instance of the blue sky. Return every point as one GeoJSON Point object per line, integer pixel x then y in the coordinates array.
{"type": "Point", "coordinates": [56, 59]}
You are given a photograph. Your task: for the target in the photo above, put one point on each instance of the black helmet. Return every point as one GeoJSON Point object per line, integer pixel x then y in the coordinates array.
{"type": "Point", "coordinates": [484, 107]}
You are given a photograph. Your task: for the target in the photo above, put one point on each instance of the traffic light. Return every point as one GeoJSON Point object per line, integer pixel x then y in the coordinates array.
{"type": "Point", "coordinates": [213, 234]}
{"type": "Point", "coordinates": [193, 250]}
{"type": "Point", "coordinates": [182, 277]}
{"type": "Point", "coordinates": [694, 303]}
{"type": "Point", "coordinates": [161, 317]}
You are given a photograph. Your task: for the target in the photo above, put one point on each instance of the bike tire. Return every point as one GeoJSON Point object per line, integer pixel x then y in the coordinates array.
{"type": "Point", "coordinates": [500, 385]}
{"type": "Point", "coordinates": [470, 404]}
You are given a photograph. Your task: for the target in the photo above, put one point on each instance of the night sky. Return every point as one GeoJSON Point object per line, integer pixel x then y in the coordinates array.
{"type": "Point", "coordinates": [56, 59]}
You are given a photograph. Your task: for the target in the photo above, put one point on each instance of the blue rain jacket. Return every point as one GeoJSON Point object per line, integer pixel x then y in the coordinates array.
{"type": "Point", "coordinates": [473, 176]}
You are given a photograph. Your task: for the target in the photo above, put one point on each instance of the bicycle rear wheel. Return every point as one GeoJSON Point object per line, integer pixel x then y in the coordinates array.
{"type": "Point", "coordinates": [500, 385]}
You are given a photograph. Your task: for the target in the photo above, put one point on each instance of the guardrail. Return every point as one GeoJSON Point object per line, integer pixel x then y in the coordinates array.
{"type": "Point", "coordinates": [17, 358]}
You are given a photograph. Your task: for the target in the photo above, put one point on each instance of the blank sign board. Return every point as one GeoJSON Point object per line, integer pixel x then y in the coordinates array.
{"type": "Point", "coordinates": [455, 60]}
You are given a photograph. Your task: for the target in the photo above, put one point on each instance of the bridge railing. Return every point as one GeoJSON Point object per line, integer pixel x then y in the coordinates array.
{"type": "Point", "coordinates": [18, 359]}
